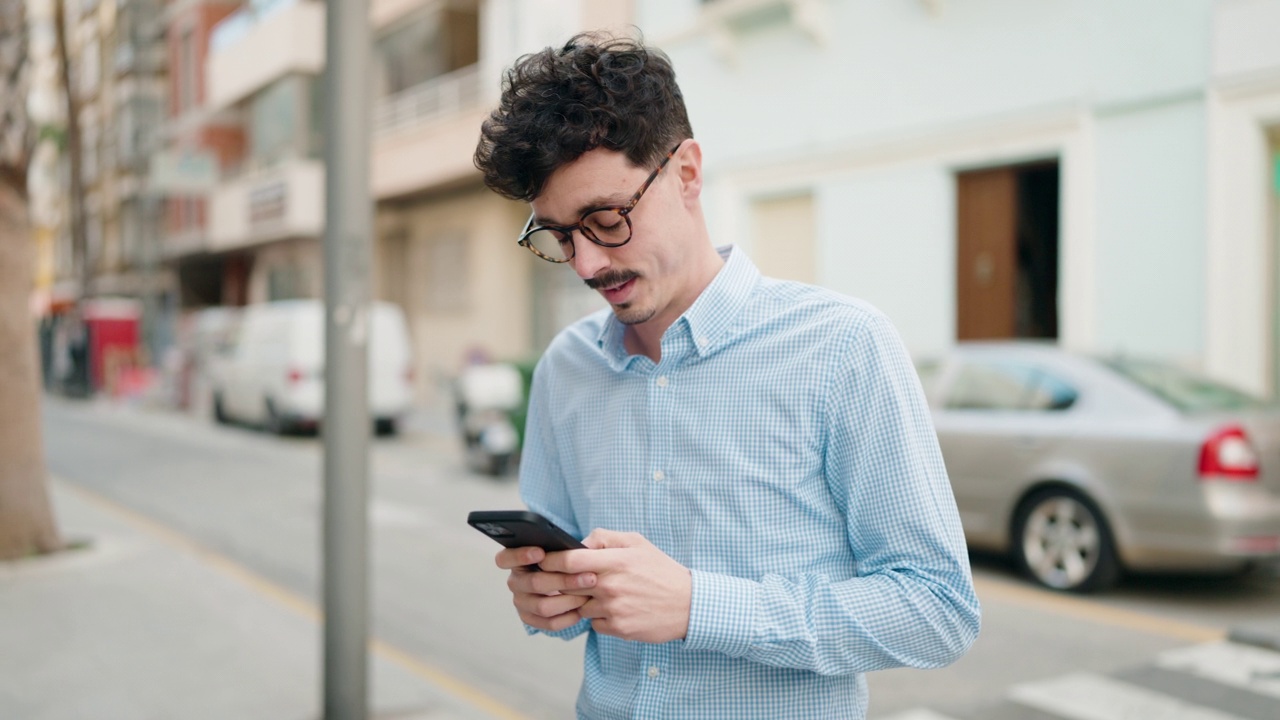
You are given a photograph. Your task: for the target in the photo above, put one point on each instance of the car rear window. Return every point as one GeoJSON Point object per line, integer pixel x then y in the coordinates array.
{"type": "Point", "coordinates": [1008, 386]}
{"type": "Point", "coordinates": [1184, 390]}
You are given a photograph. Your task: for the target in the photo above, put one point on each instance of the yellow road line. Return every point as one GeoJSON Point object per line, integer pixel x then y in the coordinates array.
{"type": "Point", "coordinates": [299, 605]}
{"type": "Point", "coordinates": [1094, 612]}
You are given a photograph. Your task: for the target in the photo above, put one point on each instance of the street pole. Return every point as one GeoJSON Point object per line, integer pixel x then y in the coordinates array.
{"type": "Point", "coordinates": [346, 427]}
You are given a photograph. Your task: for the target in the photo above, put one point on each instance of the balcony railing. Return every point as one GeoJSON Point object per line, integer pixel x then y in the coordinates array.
{"type": "Point", "coordinates": [435, 98]}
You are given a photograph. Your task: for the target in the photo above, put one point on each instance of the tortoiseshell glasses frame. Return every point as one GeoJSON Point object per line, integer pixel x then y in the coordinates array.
{"type": "Point", "coordinates": [607, 226]}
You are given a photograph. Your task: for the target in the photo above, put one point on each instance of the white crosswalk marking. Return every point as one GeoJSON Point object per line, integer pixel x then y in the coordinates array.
{"type": "Point", "coordinates": [1242, 666]}
{"type": "Point", "coordinates": [920, 714]}
{"type": "Point", "coordinates": [1084, 696]}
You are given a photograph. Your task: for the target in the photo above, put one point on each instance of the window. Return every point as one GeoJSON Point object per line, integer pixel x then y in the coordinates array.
{"type": "Point", "coordinates": [1183, 390]}
{"type": "Point", "coordinates": [427, 46]}
{"type": "Point", "coordinates": [284, 283]}
{"type": "Point", "coordinates": [187, 75]}
{"type": "Point", "coordinates": [1008, 386]}
{"type": "Point", "coordinates": [280, 121]}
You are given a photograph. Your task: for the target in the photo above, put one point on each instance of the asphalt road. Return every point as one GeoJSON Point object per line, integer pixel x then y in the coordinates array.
{"type": "Point", "coordinates": [255, 499]}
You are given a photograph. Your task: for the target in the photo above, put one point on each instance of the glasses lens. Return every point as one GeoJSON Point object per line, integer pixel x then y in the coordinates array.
{"type": "Point", "coordinates": [554, 245]}
{"type": "Point", "coordinates": [609, 227]}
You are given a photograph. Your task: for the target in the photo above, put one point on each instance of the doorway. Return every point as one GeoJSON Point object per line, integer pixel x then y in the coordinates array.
{"type": "Point", "coordinates": [1007, 222]}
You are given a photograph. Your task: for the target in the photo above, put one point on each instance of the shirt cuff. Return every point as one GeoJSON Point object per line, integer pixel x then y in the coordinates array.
{"type": "Point", "coordinates": [568, 633]}
{"type": "Point", "coordinates": [721, 614]}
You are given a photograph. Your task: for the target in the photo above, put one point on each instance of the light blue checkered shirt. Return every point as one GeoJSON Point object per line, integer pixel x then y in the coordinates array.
{"type": "Point", "coordinates": [783, 451]}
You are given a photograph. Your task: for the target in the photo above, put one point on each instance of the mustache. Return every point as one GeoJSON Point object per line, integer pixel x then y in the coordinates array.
{"type": "Point", "coordinates": [611, 278]}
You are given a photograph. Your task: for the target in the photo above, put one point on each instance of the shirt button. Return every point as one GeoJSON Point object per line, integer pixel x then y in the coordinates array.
{"type": "Point", "coordinates": [659, 476]}
{"type": "Point", "coordinates": [653, 671]}
{"type": "Point", "coordinates": [702, 342]}
{"type": "Point", "coordinates": [662, 381]}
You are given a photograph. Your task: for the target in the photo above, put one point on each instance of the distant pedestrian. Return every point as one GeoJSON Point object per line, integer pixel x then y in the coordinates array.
{"type": "Point", "coordinates": [768, 512]}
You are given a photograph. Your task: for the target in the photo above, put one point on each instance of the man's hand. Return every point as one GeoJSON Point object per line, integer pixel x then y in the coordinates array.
{"type": "Point", "coordinates": [538, 595]}
{"type": "Point", "coordinates": [637, 593]}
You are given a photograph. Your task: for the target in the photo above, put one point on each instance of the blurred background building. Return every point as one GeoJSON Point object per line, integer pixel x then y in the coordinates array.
{"type": "Point", "coordinates": [1098, 173]}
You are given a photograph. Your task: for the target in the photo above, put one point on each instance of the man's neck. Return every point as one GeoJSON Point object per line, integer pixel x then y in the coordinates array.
{"type": "Point", "coordinates": [646, 338]}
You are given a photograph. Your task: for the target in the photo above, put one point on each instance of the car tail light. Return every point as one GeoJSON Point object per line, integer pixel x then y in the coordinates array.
{"type": "Point", "coordinates": [1228, 455]}
{"type": "Point", "coordinates": [295, 375]}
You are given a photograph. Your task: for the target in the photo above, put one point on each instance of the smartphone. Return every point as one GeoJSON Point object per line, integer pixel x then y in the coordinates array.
{"type": "Point", "coordinates": [521, 528]}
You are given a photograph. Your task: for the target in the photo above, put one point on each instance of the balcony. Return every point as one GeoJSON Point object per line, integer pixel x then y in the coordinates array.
{"type": "Point", "coordinates": [432, 100]}
{"type": "Point", "coordinates": [282, 201]}
{"type": "Point", "coordinates": [424, 137]}
{"type": "Point", "coordinates": [261, 43]}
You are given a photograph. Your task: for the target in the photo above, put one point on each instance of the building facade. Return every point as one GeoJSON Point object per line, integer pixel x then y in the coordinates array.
{"type": "Point", "coordinates": [446, 244]}
{"type": "Point", "coordinates": [1100, 174]}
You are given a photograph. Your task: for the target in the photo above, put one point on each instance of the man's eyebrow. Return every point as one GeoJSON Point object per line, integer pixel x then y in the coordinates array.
{"type": "Point", "coordinates": [598, 201]}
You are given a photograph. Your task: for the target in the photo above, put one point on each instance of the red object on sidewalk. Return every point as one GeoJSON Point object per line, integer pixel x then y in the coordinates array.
{"type": "Point", "coordinates": [114, 328]}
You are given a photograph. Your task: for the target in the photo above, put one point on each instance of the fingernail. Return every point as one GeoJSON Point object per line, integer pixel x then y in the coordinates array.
{"type": "Point", "coordinates": [586, 580]}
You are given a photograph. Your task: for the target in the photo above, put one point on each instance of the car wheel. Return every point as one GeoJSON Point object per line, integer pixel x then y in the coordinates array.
{"type": "Point", "coordinates": [219, 414]}
{"type": "Point", "coordinates": [275, 424]}
{"type": "Point", "coordinates": [1061, 540]}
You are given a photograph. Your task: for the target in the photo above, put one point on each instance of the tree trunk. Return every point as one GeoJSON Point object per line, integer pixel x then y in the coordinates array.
{"type": "Point", "coordinates": [75, 157]}
{"type": "Point", "coordinates": [26, 516]}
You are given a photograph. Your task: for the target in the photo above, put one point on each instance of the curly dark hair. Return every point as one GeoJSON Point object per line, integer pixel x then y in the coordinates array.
{"type": "Point", "coordinates": [557, 104]}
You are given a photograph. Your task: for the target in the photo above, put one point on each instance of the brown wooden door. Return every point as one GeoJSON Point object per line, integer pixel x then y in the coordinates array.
{"type": "Point", "coordinates": [986, 253]}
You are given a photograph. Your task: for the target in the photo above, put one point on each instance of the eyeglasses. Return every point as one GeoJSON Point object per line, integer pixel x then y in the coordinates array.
{"type": "Point", "coordinates": [608, 226]}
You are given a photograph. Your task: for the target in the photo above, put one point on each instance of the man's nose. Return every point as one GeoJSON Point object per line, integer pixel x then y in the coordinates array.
{"type": "Point", "coordinates": [588, 258]}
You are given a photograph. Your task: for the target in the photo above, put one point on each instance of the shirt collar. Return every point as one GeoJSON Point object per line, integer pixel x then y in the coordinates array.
{"type": "Point", "coordinates": [710, 316]}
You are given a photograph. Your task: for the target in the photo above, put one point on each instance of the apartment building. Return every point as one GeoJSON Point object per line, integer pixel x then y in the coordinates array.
{"type": "Point", "coordinates": [133, 117]}
{"type": "Point", "coordinates": [200, 143]}
{"type": "Point", "coordinates": [445, 243]}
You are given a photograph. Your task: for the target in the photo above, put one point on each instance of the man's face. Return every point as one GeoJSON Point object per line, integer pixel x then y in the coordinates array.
{"type": "Point", "coordinates": [643, 279]}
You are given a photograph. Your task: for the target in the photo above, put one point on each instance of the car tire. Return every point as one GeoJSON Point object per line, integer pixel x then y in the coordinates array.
{"type": "Point", "coordinates": [275, 424]}
{"type": "Point", "coordinates": [219, 413]}
{"type": "Point", "coordinates": [1062, 541]}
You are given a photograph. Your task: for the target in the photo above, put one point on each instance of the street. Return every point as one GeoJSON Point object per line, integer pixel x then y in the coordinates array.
{"type": "Point", "coordinates": [437, 599]}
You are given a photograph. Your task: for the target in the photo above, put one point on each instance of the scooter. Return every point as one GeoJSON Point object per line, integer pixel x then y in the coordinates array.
{"type": "Point", "coordinates": [487, 396]}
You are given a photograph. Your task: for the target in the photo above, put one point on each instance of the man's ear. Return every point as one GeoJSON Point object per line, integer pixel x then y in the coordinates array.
{"type": "Point", "coordinates": [689, 166]}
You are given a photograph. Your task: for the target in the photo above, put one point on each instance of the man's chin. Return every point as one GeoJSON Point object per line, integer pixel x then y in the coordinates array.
{"type": "Point", "coordinates": [629, 314]}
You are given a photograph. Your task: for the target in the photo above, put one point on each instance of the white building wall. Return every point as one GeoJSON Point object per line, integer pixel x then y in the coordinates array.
{"type": "Point", "coordinates": [1151, 203]}
{"type": "Point", "coordinates": [876, 106]}
{"type": "Point", "coordinates": [879, 233]}
{"type": "Point", "coordinates": [1244, 101]}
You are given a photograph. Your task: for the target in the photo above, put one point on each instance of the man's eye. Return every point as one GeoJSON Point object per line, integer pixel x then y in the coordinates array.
{"type": "Point", "coordinates": [605, 220]}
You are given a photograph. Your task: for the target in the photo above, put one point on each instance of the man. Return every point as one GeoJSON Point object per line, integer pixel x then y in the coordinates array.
{"type": "Point", "coordinates": [768, 513]}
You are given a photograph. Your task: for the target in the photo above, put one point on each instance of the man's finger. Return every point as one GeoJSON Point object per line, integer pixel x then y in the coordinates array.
{"type": "Point", "coordinates": [545, 606]}
{"type": "Point", "coordinates": [548, 583]}
{"type": "Point", "coordinates": [555, 624]}
{"type": "Point", "coordinates": [572, 562]}
{"type": "Point", "coordinates": [511, 558]}
{"type": "Point", "coordinates": [600, 539]}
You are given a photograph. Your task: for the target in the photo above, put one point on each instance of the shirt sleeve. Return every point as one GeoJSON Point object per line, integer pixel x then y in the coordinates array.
{"type": "Point", "coordinates": [911, 602]}
{"type": "Point", "coordinates": [542, 486]}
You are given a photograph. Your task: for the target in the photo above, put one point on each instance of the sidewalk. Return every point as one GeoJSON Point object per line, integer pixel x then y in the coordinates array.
{"type": "Point", "coordinates": [144, 625]}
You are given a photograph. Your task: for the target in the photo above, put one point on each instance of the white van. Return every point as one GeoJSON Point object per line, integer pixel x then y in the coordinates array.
{"type": "Point", "coordinates": [273, 372]}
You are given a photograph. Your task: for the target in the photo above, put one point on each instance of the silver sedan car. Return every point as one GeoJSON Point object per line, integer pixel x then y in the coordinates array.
{"type": "Point", "coordinates": [1081, 468]}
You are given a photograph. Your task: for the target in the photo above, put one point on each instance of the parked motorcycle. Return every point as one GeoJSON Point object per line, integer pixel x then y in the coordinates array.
{"type": "Point", "coordinates": [490, 399]}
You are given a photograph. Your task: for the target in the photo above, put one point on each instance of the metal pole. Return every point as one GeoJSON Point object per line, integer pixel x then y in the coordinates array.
{"type": "Point", "coordinates": [347, 257]}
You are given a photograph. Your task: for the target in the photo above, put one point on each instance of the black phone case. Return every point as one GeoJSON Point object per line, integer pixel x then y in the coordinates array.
{"type": "Point", "coordinates": [521, 528]}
